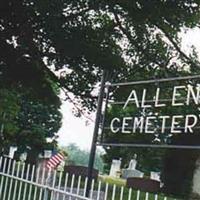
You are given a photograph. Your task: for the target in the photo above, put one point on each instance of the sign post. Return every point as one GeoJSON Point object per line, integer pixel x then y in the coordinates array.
{"type": "Point", "coordinates": [95, 133]}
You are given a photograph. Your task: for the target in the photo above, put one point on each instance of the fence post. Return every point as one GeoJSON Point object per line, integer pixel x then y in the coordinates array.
{"type": "Point", "coordinates": [48, 181]}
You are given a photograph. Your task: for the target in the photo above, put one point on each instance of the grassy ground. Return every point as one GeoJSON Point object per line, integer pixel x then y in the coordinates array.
{"type": "Point", "coordinates": [122, 183]}
{"type": "Point", "coordinates": [112, 180]}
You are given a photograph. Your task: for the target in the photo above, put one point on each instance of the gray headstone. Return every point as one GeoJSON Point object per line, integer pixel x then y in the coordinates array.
{"type": "Point", "coordinates": [128, 173]}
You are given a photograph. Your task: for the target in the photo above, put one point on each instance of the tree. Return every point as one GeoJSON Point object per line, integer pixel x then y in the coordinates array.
{"type": "Point", "coordinates": [86, 36]}
{"type": "Point", "coordinates": [37, 122]}
{"type": "Point", "coordinates": [8, 112]}
{"type": "Point", "coordinates": [76, 156]}
{"type": "Point", "coordinates": [47, 34]}
{"type": "Point", "coordinates": [27, 122]}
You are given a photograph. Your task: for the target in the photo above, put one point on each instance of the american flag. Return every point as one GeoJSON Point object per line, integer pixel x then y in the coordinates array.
{"type": "Point", "coordinates": [54, 161]}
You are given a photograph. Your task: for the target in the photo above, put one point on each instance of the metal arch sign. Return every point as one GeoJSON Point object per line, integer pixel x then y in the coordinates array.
{"type": "Point", "coordinates": [152, 113]}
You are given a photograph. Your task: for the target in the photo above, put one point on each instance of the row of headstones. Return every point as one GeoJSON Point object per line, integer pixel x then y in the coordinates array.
{"type": "Point", "coordinates": [115, 170]}
{"type": "Point", "coordinates": [23, 156]}
{"type": "Point", "coordinates": [131, 171]}
{"type": "Point", "coordinates": [43, 157]}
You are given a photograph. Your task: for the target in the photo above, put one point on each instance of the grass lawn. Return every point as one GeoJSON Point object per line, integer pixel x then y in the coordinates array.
{"type": "Point", "coordinates": [122, 182]}
{"type": "Point", "coordinates": [112, 180]}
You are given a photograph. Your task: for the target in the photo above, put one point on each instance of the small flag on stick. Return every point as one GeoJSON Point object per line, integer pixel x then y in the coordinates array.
{"type": "Point", "coordinates": [54, 161]}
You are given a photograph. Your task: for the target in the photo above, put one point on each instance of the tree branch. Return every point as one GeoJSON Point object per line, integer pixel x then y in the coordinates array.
{"type": "Point", "coordinates": [61, 83]}
{"type": "Point", "coordinates": [175, 45]}
{"type": "Point", "coordinates": [177, 48]}
{"type": "Point", "coordinates": [128, 35]}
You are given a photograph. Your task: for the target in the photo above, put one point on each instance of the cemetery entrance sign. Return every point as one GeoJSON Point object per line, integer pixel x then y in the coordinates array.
{"type": "Point", "coordinates": [154, 113]}
{"type": "Point", "coordinates": [160, 113]}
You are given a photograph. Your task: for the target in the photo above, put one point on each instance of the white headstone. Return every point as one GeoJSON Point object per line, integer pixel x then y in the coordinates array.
{"type": "Point", "coordinates": [115, 168]}
{"type": "Point", "coordinates": [155, 176]}
{"type": "Point", "coordinates": [47, 154]}
{"type": "Point", "coordinates": [12, 151]}
{"type": "Point", "coordinates": [128, 173]}
{"type": "Point", "coordinates": [23, 157]}
{"type": "Point", "coordinates": [131, 171]}
{"type": "Point", "coordinates": [132, 164]}
{"type": "Point", "coordinates": [196, 179]}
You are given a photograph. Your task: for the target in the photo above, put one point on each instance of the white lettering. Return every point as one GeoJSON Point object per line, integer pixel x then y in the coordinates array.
{"type": "Point", "coordinates": [148, 124]}
{"type": "Point", "coordinates": [192, 93]}
{"type": "Point", "coordinates": [143, 105]}
{"type": "Point", "coordinates": [175, 123]}
{"type": "Point", "coordinates": [132, 97]}
{"type": "Point", "coordinates": [163, 122]}
{"type": "Point", "coordinates": [124, 124]}
{"type": "Point", "coordinates": [175, 94]}
{"type": "Point", "coordinates": [157, 99]}
{"type": "Point", "coordinates": [138, 123]}
{"type": "Point", "coordinates": [114, 129]}
{"type": "Point", "coordinates": [188, 124]}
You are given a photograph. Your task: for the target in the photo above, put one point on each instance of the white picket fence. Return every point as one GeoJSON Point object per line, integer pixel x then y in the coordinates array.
{"type": "Point", "coordinates": [20, 181]}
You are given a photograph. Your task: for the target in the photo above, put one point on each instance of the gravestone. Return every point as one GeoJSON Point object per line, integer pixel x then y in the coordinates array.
{"type": "Point", "coordinates": [155, 176]}
{"type": "Point", "coordinates": [127, 173]}
{"type": "Point", "coordinates": [196, 180]}
{"type": "Point", "coordinates": [115, 168]}
{"type": "Point", "coordinates": [47, 154]}
{"type": "Point", "coordinates": [131, 171]}
{"type": "Point", "coordinates": [133, 163]}
{"type": "Point", "coordinates": [23, 157]}
{"type": "Point", "coordinates": [12, 150]}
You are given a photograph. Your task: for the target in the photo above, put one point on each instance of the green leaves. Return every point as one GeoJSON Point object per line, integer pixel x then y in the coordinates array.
{"type": "Point", "coordinates": [85, 37]}
{"type": "Point", "coordinates": [9, 109]}
{"type": "Point", "coordinates": [77, 156]}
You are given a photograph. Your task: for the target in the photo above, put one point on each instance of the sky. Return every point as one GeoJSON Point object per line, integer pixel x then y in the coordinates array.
{"type": "Point", "coordinates": [75, 130]}
{"type": "Point", "coordinates": [192, 37]}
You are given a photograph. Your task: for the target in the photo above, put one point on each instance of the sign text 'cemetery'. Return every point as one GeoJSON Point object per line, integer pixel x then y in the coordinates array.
{"type": "Point", "coordinates": [181, 96]}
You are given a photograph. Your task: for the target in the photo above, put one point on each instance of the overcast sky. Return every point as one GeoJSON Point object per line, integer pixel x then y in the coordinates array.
{"type": "Point", "coordinates": [75, 130]}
